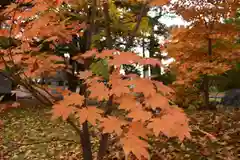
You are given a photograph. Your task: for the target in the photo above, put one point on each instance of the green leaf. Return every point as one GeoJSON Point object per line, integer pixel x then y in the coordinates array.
{"type": "Point", "coordinates": [145, 25]}
{"type": "Point", "coordinates": [238, 66]}
{"type": "Point", "coordinates": [100, 68]}
{"type": "Point", "coordinates": [113, 11]}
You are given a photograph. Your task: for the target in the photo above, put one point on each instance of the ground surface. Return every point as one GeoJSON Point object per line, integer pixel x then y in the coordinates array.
{"type": "Point", "coordinates": [28, 134]}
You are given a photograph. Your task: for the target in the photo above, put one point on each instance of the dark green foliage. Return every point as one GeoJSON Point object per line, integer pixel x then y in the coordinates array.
{"type": "Point", "coordinates": [129, 69]}
{"type": "Point", "coordinates": [6, 42]}
{"type": "Point", "coordinates": [227, 81]}
{"type": "Point", "coordinates": [167, 78]}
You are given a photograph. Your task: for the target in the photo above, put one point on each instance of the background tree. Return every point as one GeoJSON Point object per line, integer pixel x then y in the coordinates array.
{"type": "Point", "coordinates": [230, 79]}
{"type": "Point", "coordinates": [200, 49]}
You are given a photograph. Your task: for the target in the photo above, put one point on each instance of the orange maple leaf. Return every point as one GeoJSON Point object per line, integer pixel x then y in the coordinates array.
{"type": "Point", "coordinates": [112, 124]}
{"type": "Point", "coordinates": [73, 98]}
{"type": "Point", "coordinates": [2, 65]}
{"type": "Point", "coordinates": [124, 58]}
{"type": "Point", "coordinates": [99, 91]}
{"type": "Point", "coordinates": [159, 2]}
{"type": "Point", "coordinates": [106, 53]}
{"type": "Point", "coordinates": [128, 102]}
{"type": "Point", "coordinates": [139, 115]}
{"type": "Point", "coordinates": [157, 101]}
{"type": "Point", "coordinates": [17, 58]}
{"type": "Point", "coordinates": [90, 114]}
{"type": "Point", "coordinates": [147, 90]}
{"type": "Point", "coordinates": [138, 129]}
{"type": "Point", "coordinates": [151, 61]}
{"type": "Point", "coordinates": [4, 32]}
{"type": "Point", "coordinates": [173, 124]}
{"type": "Point", "coordinates": [35, 66]}
{"type": "Point", "coordinates": [163, 88]}
{"type": "Point", "coordinates": [133, 144]}
{"type": "Point", "coordinates": [119, 90]}
{"type": "Point", "coordinates": [16, 104]}
{"type": "Point", "coordinates": [85, 74]}
{"type": "Point", "coordinates": [61, 110]}
{"type": "Point", "coordinates": [118, 85]}
{"type": "Point", "coordinates": [90, 53]}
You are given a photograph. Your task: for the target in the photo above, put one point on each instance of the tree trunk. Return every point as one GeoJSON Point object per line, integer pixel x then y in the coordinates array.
{"type": "Point", "coordinates": [206, 78]}
{"type": "Point", "coordinates": [206, 91]}
{"type": "Point", "coordinates": [85, 142]}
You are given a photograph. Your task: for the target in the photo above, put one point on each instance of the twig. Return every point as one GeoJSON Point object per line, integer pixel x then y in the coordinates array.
{"type": "Point", "coordinates": [74, 126]}
{"type": "Point", "coordinates": [210, 136]}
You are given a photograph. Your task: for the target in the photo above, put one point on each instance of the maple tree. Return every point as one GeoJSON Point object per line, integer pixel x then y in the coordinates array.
{"type": "Point", "coordinates": [208, 45]}
{"type": "Point", "coordinates": [33, 21]}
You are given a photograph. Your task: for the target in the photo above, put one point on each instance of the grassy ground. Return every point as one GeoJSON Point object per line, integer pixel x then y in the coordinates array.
{"type": "Point", "coordinates": [28, 134]}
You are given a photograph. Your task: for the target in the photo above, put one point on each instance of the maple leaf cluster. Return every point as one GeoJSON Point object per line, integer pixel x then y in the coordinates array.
{"type": "Point", "coordinates": [31, 66]}
{"type": "Point", "coordinates": [30, 25]}
{"type": "Point", "coordinates": [128, 94]}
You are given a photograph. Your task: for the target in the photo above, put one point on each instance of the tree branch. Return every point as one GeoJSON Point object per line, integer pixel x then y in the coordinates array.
{"type": "Point", "coordinates": [74, 126]}
{"type": "Point", "coordinates": [107, 25]}
{"type": "Point", "coordinates": [135, 29]}
{"type": "Point", "coordinates": [92, 14]}
{"type": "Point", "coordinates": [104, 139]}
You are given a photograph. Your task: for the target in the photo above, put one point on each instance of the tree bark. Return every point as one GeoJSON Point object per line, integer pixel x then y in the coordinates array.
{"type": "Point", "coordinates": [104, 139]}
{"type": "Point", "coordinates": [206, 77]}
{"type": "Point", "coordinates": [206, 90]}
{"type": "Point", "coordinates": [136, 27]}
{"type": "Point", "coordinates": [85, 136]}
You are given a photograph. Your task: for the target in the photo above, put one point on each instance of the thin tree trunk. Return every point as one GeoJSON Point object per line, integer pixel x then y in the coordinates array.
{"type": "Point", "coordinates": [145, 68]}
{"type": "Point", "coordinates": [206, 78]}
{"type": "Point", "coordinates": [136, 27]}
{"type": "Point", "coordinates": [206, 90]}
{"type": "Point", "coordinates": [104, 139]}
{"type": "Point", "coordinates": [85, 136]}
{"type": "Point", "coordinates": [85, 142]}
{"type": "Point", "coordinates": [107, 23]}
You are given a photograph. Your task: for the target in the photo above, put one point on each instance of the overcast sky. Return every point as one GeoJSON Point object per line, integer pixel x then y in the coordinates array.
{"type": "Point", "coordinates": [169, 21]}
